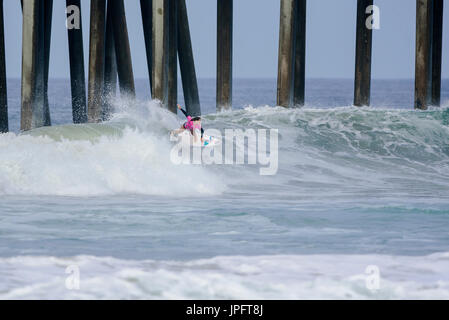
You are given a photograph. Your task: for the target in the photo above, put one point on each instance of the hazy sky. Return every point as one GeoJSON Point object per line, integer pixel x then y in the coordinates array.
{"type": "Point", "coordinates": [330, 38]}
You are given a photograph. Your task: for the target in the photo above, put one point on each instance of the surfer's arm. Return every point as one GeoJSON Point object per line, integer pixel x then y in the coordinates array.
{"type": "Point", "coordinates": [183, 111]}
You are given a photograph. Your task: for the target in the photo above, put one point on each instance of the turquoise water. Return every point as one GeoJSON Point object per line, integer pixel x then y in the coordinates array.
{"type": "Point", "coordinates": [354, 188]}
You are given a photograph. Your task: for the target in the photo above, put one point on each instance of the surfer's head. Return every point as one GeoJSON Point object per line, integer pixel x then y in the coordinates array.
{"type": "Point", "coordinates": [197, 123]}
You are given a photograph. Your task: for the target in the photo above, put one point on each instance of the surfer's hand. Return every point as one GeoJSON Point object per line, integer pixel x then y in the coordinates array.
{"type": "Point", "coordinates": [179, 107]}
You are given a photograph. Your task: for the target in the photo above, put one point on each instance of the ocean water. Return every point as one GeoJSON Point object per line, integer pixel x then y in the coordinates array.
{"type": "Point", "coordinates": [358, 208]}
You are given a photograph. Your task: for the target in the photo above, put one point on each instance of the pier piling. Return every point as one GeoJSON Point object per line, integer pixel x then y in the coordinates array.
{"type": "Point", "coordinates": [146, 8]}
{"type": "Point", "coordinates": [122, 49]}
{"type": "Point", "coordinates": [77, 75]}
{"type": "Point", "coordinates": [33, 55]}
{"type": "Point", "coordinates": [4, 127]}
{"type": "Point", "coordinates": [364, 36]}
{"type": "Point", "coordinates": [173, 57]}
{"type": "Point", "coordinates": [224, 54]}
{"type": "Point", "coordinates": [423, 70]}
{"type": "Point", "coordinates": [160, 50]}
{"type": "Point", "coordinates": [300, 54]}
{"type": "Point", "coordinates": [286, 56]}
{"type": "Point", "coordinates": [429, 33]}
{"type": "Point", "coordinates": [96, 59]}
{"type": "Point", "coordinates": [186, 62]}
{"type": "Point", "coordinates": [437, 45]}
{"type": "Point", "coordinates": [110, 64]}
{"type": "Point", "coordinates": [48, 17]}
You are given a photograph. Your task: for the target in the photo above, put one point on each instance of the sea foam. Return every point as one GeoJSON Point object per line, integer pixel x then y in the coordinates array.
{"type": "Point", "coordinates": [232, 277]}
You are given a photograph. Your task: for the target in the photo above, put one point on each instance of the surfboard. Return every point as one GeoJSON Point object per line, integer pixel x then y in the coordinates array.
{"type": "Point", "coordinates": [207, 141]}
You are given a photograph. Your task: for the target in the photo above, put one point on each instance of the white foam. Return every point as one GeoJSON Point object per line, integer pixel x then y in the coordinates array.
{"type": "Point", "coordinates": [137, 162]}
{"type": "Point", "coordinates": [233, 277]}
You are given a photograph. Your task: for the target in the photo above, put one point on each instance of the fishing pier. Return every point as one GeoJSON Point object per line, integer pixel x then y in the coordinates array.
{"type": "Point", "coordinates": [167, 37]}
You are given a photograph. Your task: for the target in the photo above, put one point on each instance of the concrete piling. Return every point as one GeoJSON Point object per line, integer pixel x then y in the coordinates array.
{"type": "Point", "coordinates": [423, 53]}
{"type": "Point", "coordinates": [160, 50]}
{"type": "Point", "coordinates": [33, 54]}
{"type": "Point", "coordinates": [224, 54]}
{"type": "Point", "coordinates": [122, 49]}
{"type": "Point", "coordinates": [437, 45]}
{"type": "Point", "coordinates": [286, 56]}
{"type": "Point", "coordinates": [77, 75]}
{"type": "Point", "coordinates": [186, 62]}
{"type": "Point", "coordinates": [48, 17]}
{"type": "Point", "coordinates": [4, 127]}
{"type": "Point", "coordinates": [172, 99]}
{"type": "Point", "coordinates": [110, 65]}
{"type": "Point", "coordinates": [96, 59]}
{"type": "Point", "coordinates": [362, 79]}
{"type": "Point", "coordinates": [300, 54]}
{"type": "Point", "coordinates": [146, 8]}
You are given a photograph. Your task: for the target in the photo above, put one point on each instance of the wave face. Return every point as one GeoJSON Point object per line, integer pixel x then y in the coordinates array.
{"type": "Point", "coordinates": [128, 155]}
{"type": "Point", "coordinates": [232, 277]}
{"type": "Point", "coordinates": [357, 150]}
{"type": "Point", "coordinates": [339, 151]}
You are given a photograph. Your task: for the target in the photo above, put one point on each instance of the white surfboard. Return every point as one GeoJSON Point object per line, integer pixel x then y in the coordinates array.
{"type": "Point", "coordinates": [186, 137]}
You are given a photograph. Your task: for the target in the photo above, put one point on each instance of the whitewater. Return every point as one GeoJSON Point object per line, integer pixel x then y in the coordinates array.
{"type": "Point", "coordinates": [356, 189]}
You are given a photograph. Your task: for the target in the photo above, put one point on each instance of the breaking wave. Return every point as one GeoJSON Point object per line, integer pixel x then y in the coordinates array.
{"type": "Point", "coordinates": [338, 150]}
{"type": "Point", "coordinates": [129, 154]}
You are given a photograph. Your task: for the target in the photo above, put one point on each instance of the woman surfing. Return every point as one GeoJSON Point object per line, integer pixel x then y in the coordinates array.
{"type": "Point", "coordinates": [193, 126]}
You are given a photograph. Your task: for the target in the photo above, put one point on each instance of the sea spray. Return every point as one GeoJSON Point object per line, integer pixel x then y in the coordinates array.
{"type": "Point", "coordinates": [122, 156]}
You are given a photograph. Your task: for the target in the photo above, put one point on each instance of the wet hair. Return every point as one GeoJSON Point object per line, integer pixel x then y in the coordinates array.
{"type": "Point", "coordinates": [196, 119]}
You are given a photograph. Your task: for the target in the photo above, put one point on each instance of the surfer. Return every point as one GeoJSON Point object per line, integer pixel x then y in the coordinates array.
{"type": "Point", "coordinates": [193, 125]}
